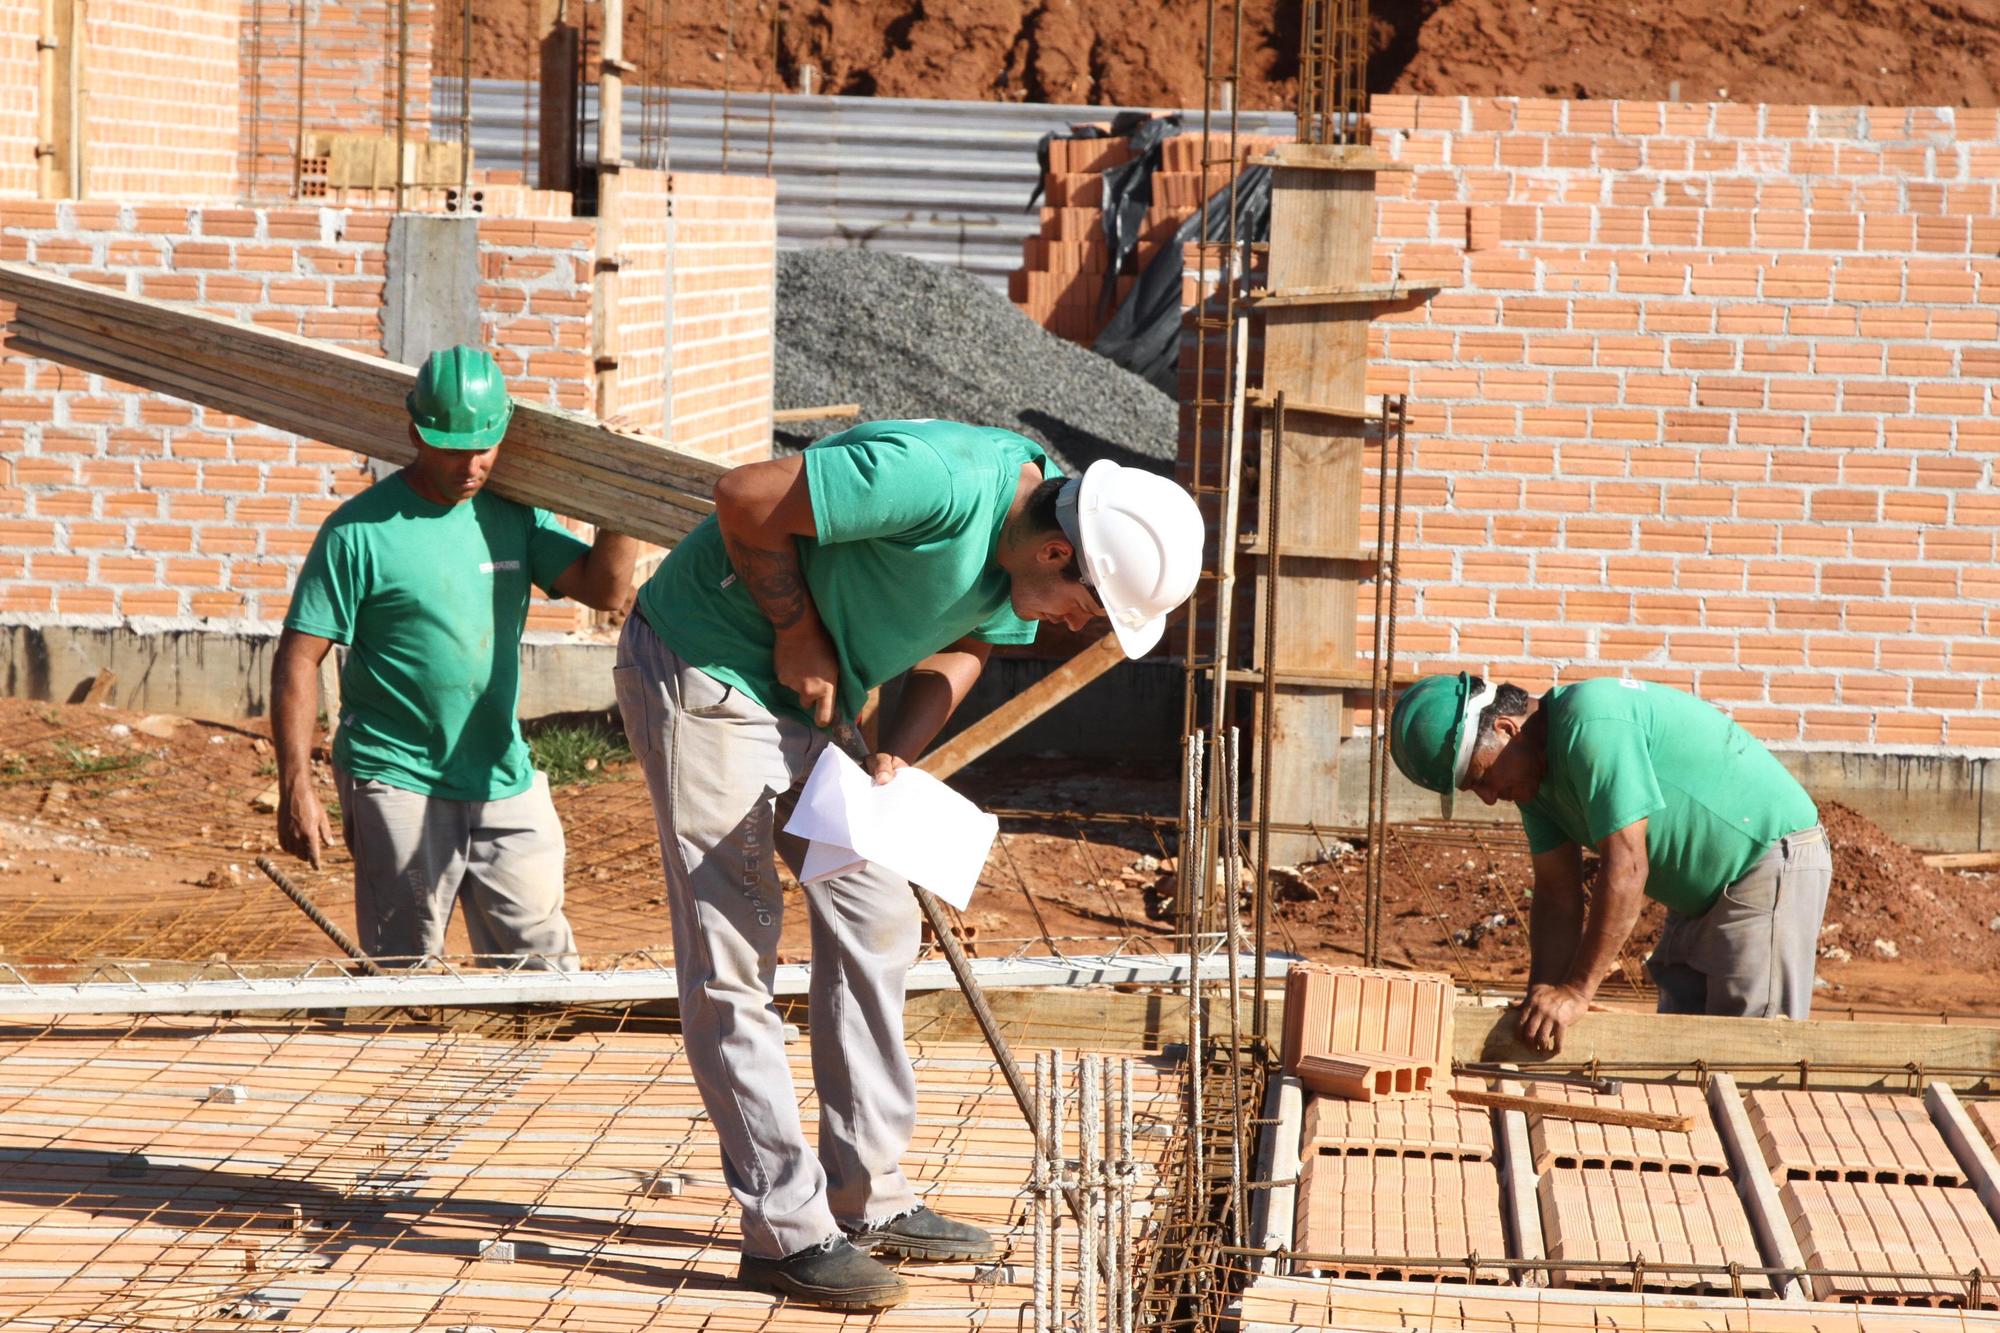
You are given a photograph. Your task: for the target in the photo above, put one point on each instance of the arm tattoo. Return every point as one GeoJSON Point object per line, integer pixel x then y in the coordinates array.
{"type": "Point", "coordinates": [774, 579]}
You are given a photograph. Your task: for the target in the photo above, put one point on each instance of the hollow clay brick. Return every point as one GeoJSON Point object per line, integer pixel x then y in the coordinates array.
{"type": "Point", "coordinates": [1363, 1077]}
{"type": "Point", "coordinates": [1667, 1218]}
{"type": "Point", "coordinates": [1433, 1126]}
{"type": "Point", "coordinates": [1576, 1143]}
{"type": "Point", "coordinates": [1436, 1213]}
{"type": "Point", "coordinates": [1850, 1136]}
{"type": "Point", "coordinates": [1866, 1226]}
{"type": "Point", "coordinates": [1354, 1010]}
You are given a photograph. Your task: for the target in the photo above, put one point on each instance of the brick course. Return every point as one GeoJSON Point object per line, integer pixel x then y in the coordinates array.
{"type": "Point", "coordinates": [161, 107]}
{"type": "Point", "coordinates": [20, 21]}
{"type": "Point", "coordinates": [1710, 401]}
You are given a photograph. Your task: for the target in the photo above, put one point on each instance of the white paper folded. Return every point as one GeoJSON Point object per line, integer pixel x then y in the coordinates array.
{"type": "Point", "coordinates": [915, 826]}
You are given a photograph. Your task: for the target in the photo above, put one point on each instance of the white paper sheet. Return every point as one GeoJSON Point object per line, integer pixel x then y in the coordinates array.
{"type": "Point", "coordinates": [915, 826]}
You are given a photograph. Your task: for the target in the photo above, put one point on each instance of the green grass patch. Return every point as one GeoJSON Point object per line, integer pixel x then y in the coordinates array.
{"type": "Point", "coordinates": [573, 752]}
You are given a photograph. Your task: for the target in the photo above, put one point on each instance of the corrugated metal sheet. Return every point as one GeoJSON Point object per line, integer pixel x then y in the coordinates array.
{"type": "Point", "coordinates": [943, 181]}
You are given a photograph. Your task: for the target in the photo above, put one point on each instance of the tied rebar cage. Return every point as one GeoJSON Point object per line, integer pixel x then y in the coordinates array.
{"type": "Point", "coordinates": [1333, 71]}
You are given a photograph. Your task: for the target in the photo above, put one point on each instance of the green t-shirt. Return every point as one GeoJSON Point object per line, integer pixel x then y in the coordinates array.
{"type": "Point", "coordinates": [908, 515]}
{"type": "Point", "coordinates": [433, 599]}
{"type": "Point", "coordinates": [1625, 750]}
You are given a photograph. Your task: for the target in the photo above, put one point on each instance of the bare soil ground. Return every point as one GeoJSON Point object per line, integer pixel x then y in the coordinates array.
{"type": "Point", "coordinates": [1872, 52]}
{"type": "Point", "coordinates": [129, 837]}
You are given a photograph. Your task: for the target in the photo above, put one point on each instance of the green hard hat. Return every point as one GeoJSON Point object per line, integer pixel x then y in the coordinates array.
{"type": "Point", "coordinates": [1428, 730]}
{"type": "Point", "coordinates": [460, 400]}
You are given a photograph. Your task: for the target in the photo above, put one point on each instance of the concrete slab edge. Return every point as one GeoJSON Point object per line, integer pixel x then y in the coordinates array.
{"type": "Point", "coordinates": [1775, 1239]}
{"type": "Point", "coordinates": [1514, 1153]}
{"type": "Point", "coordinates": [1274, 1210]}
{"type": "Point", "coordinates": [1982, 1170]}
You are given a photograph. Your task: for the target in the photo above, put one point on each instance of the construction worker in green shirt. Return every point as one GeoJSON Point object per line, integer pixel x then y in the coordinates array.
{"type": "Point", "coordinates": [896, 546]}
{"type": "Point", "coordinates": [1680, 804]}
{"type": "Point", "coordinates": [426, 577]}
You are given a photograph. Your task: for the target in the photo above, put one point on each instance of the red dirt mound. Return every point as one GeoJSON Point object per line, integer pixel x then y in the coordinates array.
{"type": "Point", "coordinates": [1874, 52]}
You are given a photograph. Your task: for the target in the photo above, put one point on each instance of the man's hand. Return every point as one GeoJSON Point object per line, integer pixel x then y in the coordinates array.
{"type": "Point", "coordinates": [808, 665]}
{"type": "Point", "coordinates": [883, 767]}
{"type": "Point", "coordinates": [302, 823]}
{"type": "Point", "coordinates": [1547, 1013]}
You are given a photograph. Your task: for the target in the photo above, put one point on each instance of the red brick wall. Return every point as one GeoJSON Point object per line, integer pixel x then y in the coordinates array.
{"type": "Point", "coordinates": [1711, 402]}
{"type": "Point", "coordinates": [350, 78]}
{"type": "Point", "coordinates": [725, 237]}
{"type": "Point", "coordinates": [122, 503]}
{"type": "Point", "coordinates": [161, 110]}
{"type": "Point", "coordinates": [645, 299]}
{"type": "Point", "coordinates": [19, 22]}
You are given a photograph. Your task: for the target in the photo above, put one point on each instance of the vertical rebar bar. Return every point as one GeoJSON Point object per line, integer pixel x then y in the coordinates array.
{"type": "Point", "coordinates": [1038, 1199]}
{"type": "Point", "coordinates": [299, 109]}
{"type": "Point", "coordinates": [1089, 1122]}
{"type": "Point", "coordinates": [402, 94]}
{"type": "Point", "coordinates": [1378, 702]}
{"type": "Point", "coordinates": [1127, 1174]}
{"type": "Point", "coordinates": [1232, 889]}
{"type": "Point", "coordinates": [465, 107]}
{"type": "Point", "coordinates": [1196, 897]}
{"type": "Point", "coordinates": [1274, 466]}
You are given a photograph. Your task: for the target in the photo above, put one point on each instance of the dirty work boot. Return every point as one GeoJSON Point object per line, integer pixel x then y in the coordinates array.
{"type": "Point", "coordinates": [922, 1235]}
{"type": "Point", "coordinates": [832, 1274]}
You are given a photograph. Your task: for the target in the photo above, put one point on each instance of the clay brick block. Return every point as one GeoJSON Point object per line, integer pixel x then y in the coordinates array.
{"type": "Point", "coordinates": [1872, 1227]}
{"type": "Point", "coordinates": [1433, 1126]}
{"type": "Point", "coordinates": [1399, 1206]}
{"type": "Point", "coordinates": [1363, 1077]}
{"type": "Point", "coordinates": [1618, 1216]}
{"type": "Point", "coordinates": [1847, 1136]}
{"type": "Point", "coordinates": [1353, 1010]}
{"type": "Point", "coordinates": [1577, 1143]}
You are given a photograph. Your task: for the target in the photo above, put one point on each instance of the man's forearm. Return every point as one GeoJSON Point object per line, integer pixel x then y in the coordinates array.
{"type": "Point", "coordinates": [608, 571]}
{"type": "Point", "coordinates": [294, 714]}
{"type": "Point", "coordinates": [933, 691]}
{"type": "Point", "coordinates": [1614, 910]}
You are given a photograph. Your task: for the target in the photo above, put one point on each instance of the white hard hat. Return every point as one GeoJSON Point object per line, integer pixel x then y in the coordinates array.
{"type": "Point", "coordinates": [1139, 539]}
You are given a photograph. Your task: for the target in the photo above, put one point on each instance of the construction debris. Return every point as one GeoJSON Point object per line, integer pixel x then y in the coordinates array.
{"type": "Point", "coordinates": [903, 338]}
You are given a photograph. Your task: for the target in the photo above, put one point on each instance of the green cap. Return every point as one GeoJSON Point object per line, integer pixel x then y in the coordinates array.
{"type": "Point", "coordinates": [460, 400]}
{"type": "Point", "coordinates": [1431, 730]}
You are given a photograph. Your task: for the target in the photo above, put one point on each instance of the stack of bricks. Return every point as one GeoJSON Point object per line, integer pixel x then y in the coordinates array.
{"type": "Point", "coordinates": [1344, 1025]}
{"type": "Point", "coordinates": [1062, 283]}
{"type": "Point", "coordinates": [1709, 401]}
{"type": "Point", "coordinates": [349, 79]}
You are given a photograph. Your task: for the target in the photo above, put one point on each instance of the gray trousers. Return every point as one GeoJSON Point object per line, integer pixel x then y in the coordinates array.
{"type": "Point", "coordinates": [1751, 955]}
{"type": "Point", "coordinates": [416, 855]}
{"type": "Point", "coordinates": [724, 775]}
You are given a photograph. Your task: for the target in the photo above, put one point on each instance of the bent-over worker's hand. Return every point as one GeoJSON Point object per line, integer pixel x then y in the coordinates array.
{"type": "Point", "coordinates": [302, 823]}
{"type": "Point", "coordinates": [808, 666]}
{"type": "Point", "coordinates": [883, 767]}
{"type": "Point", "coordinates": [1547, 1013]}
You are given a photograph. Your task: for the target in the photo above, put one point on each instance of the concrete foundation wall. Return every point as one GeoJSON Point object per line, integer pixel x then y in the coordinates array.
{"type": "Point", "coordinates": [1130, 715]}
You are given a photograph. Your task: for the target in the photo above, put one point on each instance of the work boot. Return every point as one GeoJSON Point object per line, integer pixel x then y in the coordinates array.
{"type": "Point", "coordinates": [922, 1235]}
{"type": "Point", "coordinates": [832, 1274]}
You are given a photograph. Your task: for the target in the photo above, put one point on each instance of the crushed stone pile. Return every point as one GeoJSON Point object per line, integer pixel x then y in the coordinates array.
{"type": "Point", "coordinates": [904, 338]}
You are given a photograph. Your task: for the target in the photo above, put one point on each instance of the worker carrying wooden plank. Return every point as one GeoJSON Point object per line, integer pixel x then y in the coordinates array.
{"type": "Point", "coordinates": [894, 546]}
{"type": "Point", "coordinates": [1680, 804]}
{"type": "Point", "coordinates": [426, 577]}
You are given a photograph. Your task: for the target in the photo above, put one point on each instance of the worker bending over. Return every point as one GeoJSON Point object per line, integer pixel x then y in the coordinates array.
{"type": "Point", "coordinates": [1680, 804]}
{"type": "Point", "coordinates": [425, 575]}
{"type": "Point", "coordinates": [894, 546]}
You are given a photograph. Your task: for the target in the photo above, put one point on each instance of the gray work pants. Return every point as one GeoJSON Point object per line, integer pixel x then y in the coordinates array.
{"type": "Point", "coordinates": [1752, 954]}
{"type": "Point", "coordinates": [724, 775]}
{"type": "Point", "coordinates": [416, 855]}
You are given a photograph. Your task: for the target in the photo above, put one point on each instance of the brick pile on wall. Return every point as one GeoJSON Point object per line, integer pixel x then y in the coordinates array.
{"type": "Point", "coordinates": [1712, 402]}
{"type": "Point", "coordinates": [349, 79]}
{"type": "Point", "coordinates": [122, 504]}
{"type": "Point", "coordinates": [1060, 284]}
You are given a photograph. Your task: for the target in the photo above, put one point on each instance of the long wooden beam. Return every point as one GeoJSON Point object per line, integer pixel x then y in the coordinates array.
{"type": "Point", "coordinates": [1023, 708]}
{"type": "Point", "coordinates": [557, 460]}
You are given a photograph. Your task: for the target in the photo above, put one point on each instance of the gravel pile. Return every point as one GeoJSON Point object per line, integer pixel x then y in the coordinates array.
{"type": "Point", "coordinates": [904, 338]}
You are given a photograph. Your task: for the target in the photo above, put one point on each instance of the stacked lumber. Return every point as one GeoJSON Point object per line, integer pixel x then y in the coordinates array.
{"type": "Point", "coordinates": [553, 459]}
{"type": "Point", "coordinates": [1363, 1033]}
{"type": "Point", "coordinates": [1060, 284]}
